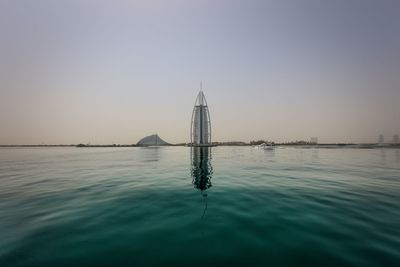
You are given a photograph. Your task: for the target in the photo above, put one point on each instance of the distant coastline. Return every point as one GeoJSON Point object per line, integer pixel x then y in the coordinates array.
{"type": "Point", "coordinates": [287, 144]}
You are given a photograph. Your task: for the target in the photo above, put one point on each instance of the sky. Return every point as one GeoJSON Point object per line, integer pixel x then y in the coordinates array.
{"type": "Point", "coordinates": [102, 72]}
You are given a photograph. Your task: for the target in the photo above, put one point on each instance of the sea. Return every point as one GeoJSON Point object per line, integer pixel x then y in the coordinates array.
{"type": "Point", "coordinates": [182, 206]}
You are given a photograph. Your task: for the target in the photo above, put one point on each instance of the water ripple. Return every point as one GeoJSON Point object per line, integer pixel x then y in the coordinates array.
{"type": "Point", "coordinates": [222, 207]}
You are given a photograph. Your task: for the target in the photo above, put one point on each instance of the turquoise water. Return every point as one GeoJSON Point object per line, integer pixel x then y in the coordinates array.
{"type": "Point", "coordinates": [176, 206]}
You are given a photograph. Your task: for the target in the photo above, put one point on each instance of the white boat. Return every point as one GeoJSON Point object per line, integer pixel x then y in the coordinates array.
{"type": "Point", "coordinates": [267, 146]}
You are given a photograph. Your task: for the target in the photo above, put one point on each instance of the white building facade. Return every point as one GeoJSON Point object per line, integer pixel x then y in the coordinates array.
{"type": "Point", "coordinates": [200, 130]}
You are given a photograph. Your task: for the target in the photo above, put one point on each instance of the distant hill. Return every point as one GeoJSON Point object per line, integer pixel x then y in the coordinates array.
{"type": "Point", "coordinates": [152, 140]}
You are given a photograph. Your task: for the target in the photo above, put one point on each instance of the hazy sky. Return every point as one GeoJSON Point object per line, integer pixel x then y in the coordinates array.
{"type": "Point", "coordinates": [115, 71]}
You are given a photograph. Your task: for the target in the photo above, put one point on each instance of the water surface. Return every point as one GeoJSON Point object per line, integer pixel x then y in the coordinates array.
{"type": "Point", "coordinates": [176, 206]}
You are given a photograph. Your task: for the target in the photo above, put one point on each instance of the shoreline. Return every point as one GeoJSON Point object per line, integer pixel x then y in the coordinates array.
{"type": "Point", "coordinates": [339, 145]}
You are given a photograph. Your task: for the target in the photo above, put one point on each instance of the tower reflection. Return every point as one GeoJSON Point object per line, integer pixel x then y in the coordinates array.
{"type": "Point", "coordinates": [201, 171]}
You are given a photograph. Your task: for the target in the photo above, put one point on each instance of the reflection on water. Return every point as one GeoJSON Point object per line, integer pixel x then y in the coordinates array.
{"type": "Point", "coordinates": [201, 171]}
{"type": "Point", "coordinates": [315, 155]}
{"type": "Point", "coordinates": [150, 153]}
{"type": "Point", "coordinates": [270, 153]}
{"type": "Point", "coordinates": [201, 167]}
{"type": "Point", "coordinates": [383, 156]}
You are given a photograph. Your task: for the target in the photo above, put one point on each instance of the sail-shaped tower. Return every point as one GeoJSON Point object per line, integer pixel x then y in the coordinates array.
{"type": "Point", "coordinates": [200, 130]}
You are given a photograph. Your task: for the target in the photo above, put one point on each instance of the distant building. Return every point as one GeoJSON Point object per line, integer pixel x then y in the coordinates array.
{"type": "Point", "coordinates": [396, 139]}
{"type": "Point", "coordinates": [200, 130]}
{"type": "Point", "coordinates": [381, 139]}
{"type": "Point", "coordinates": [152, 140]}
